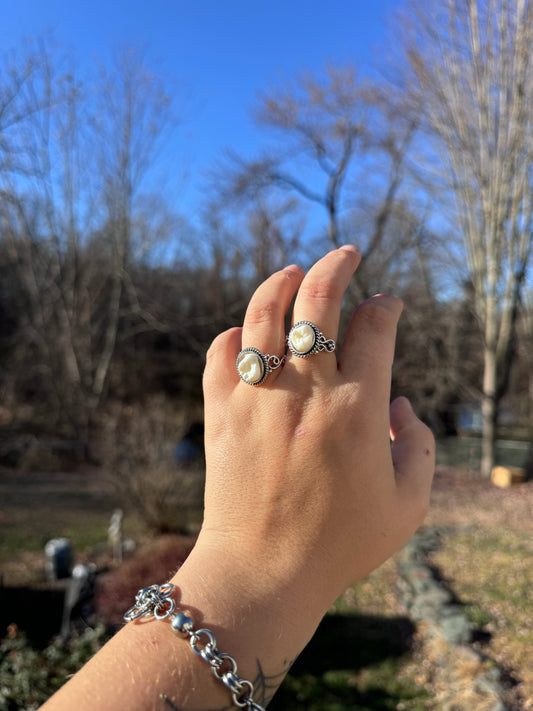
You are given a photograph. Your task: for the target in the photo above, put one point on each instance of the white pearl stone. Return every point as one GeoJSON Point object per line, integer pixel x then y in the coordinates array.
{"type": "Point", "coordinates": [302, 338]}
{"type": "Point", "coordinates": [250, 367]}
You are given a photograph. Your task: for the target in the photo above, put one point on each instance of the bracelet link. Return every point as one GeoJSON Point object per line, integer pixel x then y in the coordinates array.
{"type": "Point", "coordinates": [155, 600]}
{"type": "Point", "coordinates": [224, 658]}
{"type": "Point", "coordinates": [238, 693]}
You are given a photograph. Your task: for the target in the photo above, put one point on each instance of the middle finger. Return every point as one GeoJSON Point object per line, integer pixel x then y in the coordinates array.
{"type": "Point", "coordinates": [319, 298]}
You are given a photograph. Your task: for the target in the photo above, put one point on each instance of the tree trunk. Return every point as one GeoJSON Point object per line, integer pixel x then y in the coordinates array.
{"type": "Point", "coordinates": [489, 411]}
{"type": "Point", "coordinates": [471, 67]}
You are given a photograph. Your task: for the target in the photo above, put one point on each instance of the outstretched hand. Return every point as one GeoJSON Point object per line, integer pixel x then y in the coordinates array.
{"type": "Point", "coordinates": [313, 479]}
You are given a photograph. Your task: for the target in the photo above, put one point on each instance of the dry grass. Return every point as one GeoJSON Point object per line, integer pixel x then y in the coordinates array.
{"type": "Point", "coordinates": [374, 595]}
{"type": "Point", "coordinates": [460, 497]}
{"type": "Point", "coordinates": [488, 563]}
{"type": "Point", "coordinates": [35, 507]}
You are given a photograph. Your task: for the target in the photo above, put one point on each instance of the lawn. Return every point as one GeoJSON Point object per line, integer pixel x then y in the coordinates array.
{"type": "Point", "coordinates": [362, 657]}
{"type": "Point", "coordinates": [488, 563]}
{"type": "Point", "coordinates": [35, 507]}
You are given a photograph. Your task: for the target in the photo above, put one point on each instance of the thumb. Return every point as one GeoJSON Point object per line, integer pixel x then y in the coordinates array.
{"type": "Point", "coordinates": [413, 453]}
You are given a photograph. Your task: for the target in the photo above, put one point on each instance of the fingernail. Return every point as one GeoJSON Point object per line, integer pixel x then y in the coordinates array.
{"type": "Point", "coordinates": [292, 268]}
{"type": "Point", "coordinates": [350, 248]}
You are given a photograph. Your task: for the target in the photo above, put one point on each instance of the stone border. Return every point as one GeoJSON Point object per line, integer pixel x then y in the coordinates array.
{"type": "Point", "coordinates": [462, 677]}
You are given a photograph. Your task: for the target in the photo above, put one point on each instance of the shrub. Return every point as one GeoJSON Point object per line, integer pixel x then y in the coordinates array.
{"type": "Point", "coordinates": [155, 563]}
{"type": "Point", "coordinates": [28, 677]}
{"type": "Point", "coordinates": [139, 456]}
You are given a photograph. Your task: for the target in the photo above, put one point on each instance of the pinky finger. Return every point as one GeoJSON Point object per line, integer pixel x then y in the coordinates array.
{"type": "Point", "coordinates": [413, 455]}
{"type": "Point", "coordinates": [220, 373]}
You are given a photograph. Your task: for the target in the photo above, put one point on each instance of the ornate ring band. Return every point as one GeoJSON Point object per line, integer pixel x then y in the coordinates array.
{"type": "Point", "coordinates": [305, 339]}
{"type": "Point", "coordinates": [253, 366]}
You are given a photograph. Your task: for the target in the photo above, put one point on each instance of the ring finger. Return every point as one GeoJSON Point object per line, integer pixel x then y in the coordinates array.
{"type": "Point", "coordinates": [264, 322]}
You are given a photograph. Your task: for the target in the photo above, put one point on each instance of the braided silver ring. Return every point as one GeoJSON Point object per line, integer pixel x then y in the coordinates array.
{"type": "Point", "coordinates": [253, 366]}
{"type": "Point", "coordinates": [305, 339]}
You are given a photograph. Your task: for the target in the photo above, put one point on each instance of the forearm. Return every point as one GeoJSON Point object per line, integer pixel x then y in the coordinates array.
{"type": "Point", "coordinates": [148, 666]}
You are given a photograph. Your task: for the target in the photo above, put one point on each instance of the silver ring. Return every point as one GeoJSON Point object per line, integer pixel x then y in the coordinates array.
{"type": "Point", "coordinates": [253, 366]}
{"type": "Point", "coordinates": [305, 339]}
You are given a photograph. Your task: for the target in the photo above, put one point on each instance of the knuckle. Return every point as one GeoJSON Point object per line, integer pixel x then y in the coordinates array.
{"type": "Point", "coordinates": [208, 375]}
{"type": "Point", "coordinates": [379, 314]}
{"type": "Point", "coordinates": [427, 441]}
{"type": "Point", "coordinates": [213, 349]}
{"type": "Point", "coordinates": [321, 291]}
{"type": "Point", "coordinates": [430, 440]}
{"type": "Point", "coordinates": [259, 314]}
{"type": "Point", "coordinates": [416, 506]}
{"type": "Point", "coordinates": [424, 501]}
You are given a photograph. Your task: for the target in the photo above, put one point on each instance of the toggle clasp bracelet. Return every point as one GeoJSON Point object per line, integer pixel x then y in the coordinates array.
{"type": "Point", "coordinates": [156, 601]}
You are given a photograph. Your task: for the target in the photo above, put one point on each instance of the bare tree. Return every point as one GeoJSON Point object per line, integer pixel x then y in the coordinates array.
{"type": "Point", "coordinates": [326, 122]}
{"type": "Point", "coordinates": [275, 231]}
{"type": "Point", "coordinates": [139, 455]}
{"type": "Point", "coordinates": [525, 349]}
{"type": "Point", "coordinates": [341, 148]}
{"type": "Point", "coordinates": [131, 120]}
{"type": "Point", "coordinates": [68, 210]}
{"type": "Point", "coordinates": [38, 214]}
{"type": "Point", "coordinates": [471, 78]}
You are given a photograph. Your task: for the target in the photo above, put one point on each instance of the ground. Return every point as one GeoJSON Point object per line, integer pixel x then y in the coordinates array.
{"type": "Point", "coordinates": [487, 561]}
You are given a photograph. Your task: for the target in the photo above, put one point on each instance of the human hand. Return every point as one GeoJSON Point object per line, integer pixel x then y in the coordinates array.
{"type": "Point", "coordinates": [313, 480]}
{"type": "Point", "coordinates": [304, 495]}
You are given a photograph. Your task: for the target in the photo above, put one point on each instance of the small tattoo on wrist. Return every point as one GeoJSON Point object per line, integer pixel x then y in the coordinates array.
{"type": "Point", "coordinates": [265, 687]}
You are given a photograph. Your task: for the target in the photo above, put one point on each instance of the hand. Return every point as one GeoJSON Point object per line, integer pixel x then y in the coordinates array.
{"type": "Point", "coordinates": [313, 480]}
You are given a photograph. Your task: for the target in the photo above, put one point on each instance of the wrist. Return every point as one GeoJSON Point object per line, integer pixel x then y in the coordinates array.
{"type": "Point", "coordinates": [255, 618]}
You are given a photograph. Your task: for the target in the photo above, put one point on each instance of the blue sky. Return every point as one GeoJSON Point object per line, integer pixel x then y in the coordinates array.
{"type": "Point", "coordinates": [219, 53]}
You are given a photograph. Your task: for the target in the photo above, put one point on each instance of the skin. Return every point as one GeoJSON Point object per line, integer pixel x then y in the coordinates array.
{"type": "Point", "coordinates": [313, 480]}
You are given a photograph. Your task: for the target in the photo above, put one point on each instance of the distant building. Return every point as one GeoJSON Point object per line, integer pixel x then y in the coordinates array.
{"type": "Point", "coordinates": [470, 420]}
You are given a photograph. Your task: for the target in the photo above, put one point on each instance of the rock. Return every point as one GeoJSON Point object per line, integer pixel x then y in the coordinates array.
{"type": "Point", "coordinates": [455, 628]}
{"type": "Point", "coordinates": [461, 679]}
{"type": "Point", "coordinates": [486, 686]}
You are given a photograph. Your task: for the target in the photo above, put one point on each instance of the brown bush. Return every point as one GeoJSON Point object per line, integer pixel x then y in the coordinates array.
{"type": "Point", "coordinates": [139, 456]}
{"type": "Point", "coordinates": [155, 563]}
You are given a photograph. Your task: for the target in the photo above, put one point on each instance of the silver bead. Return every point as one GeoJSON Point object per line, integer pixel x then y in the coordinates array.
{"type": "Point", "coordinates": [182, 624]}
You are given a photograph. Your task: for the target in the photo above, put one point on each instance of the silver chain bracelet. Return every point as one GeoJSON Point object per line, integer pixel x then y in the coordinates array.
{"type": "Point", "coordinates": [155, 600]}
